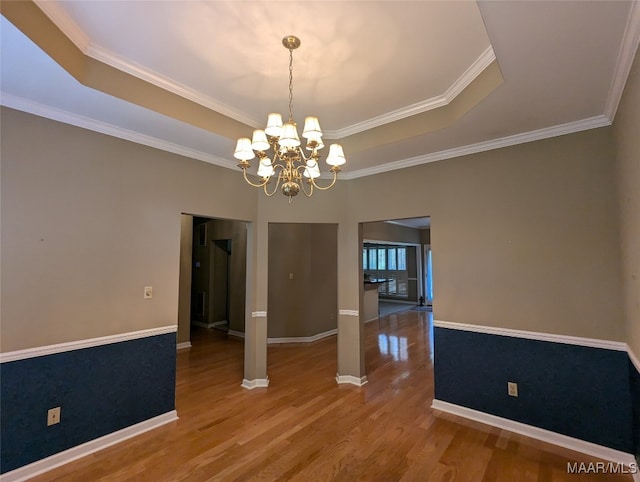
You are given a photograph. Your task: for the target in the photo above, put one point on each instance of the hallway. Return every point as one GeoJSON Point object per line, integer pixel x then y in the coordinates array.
{"type": "Point", "coordinates": [306, 427]}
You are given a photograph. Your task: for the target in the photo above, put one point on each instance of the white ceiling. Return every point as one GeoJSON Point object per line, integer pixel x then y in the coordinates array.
{"type": "Point", "coordinates": [361, 65]}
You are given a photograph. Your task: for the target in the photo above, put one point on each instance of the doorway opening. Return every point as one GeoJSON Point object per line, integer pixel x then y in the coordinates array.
{"type": "Point", "coordinates": [397, 266]}
{"type": "Point", "coordinates": [213, 269]}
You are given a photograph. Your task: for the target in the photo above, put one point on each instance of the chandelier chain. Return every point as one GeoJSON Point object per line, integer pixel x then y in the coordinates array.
{"type": "Point", "coordinates": [290, 85]}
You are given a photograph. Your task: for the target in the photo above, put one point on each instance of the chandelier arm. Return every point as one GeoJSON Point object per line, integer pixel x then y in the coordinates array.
{"type": "Point", "coordinates": [275, 188]}
{"type": "Point", "coordinates": [335, 178]}
{"type": "Point", "coordinates": [302, 183]}
{"type": "Point", "coordinates": [264, 183]}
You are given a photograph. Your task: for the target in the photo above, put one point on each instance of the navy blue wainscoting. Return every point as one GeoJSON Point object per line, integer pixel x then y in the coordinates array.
{"type": "Point", "coordinates": [578, 391]}
{"type": "Point", "coordinates": [634, 381]}
{"type": "Point", "coordinates": [100, 390]}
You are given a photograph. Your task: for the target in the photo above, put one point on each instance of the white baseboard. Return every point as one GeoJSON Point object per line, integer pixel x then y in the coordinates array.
{"type": "Point", "coordinates": [302, 339]}
{"type": "Point", "coordinates": [554, 438]}
{"type": "Point", "coordinates": [203, 325]}
{"type": "Point", "coordinates": [183, 345]}
{"type": "Point", "coordinates": [351, 380]}
{"type": "Point", "coordinates": [237, 334]}
{"type": "Point", "coordinates": [49, 463]}
{"type": "Point", "coordinates": [257, 383]}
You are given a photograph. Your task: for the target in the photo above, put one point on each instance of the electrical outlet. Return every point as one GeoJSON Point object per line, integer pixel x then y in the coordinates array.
{"type": "Point", "coordinates": [148, 292]}
{"type": "Point", "coordinates": [512, 389]}
{"type": "Point", "coordinates": [53, 416]}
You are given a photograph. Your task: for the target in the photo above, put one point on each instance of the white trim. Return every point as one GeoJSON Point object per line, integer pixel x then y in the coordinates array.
{"type": "Point", "coordinates": [80, 344]}
{"type": "Point", "coordinates": [476, 68]}
{"type": "Point", "coordinates": [79, 451]}
{"type": "Point", "coordinates": [554, 438]}
{"type": "Point", "coordinates": [626, 54]}
{"type": "Point", "coordinates": [183, 345]}
{"type": "Point", "coordinates": [302, 339]}
{"type": "Point", "coordinates": [257, 383]}
{"type": "Point", "coordinates": [351, 380]}
{"type": "Point", "coordinates": [237, 334]}
{"type": "Point", "coordinates": [35, 108]}
{"type": "Point", "coordinates": [258, 314]}
{"type": "Point", "coordinates": [547, 132]}
{"type": "Point", "coordinates": [202, 324]}
{"type": "Point", "coordinates": [533, 335]}
{"type": "Point", "coordinates": [66, 117]}
{"type": "Point", "coordinates": [80, 39]}
{"type": "Point", "coordinates": [349, 312]}
{"type": "Point", "coordinates": [166, 83]}
{"type": "Point", "coordinates": [633, 358]}
{"type": "Point", "coordinates": [65, 23]}
{"type": "Point", "coordinates": [209, 325]}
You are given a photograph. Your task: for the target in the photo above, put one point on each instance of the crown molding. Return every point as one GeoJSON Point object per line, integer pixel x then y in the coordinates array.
{"type": "Point", "coordinates": [65, 23]}
{"type": "Point", "coordinates": [66, 117]}
{"type": "Point", "coordinates": [110, 58]}
{"type": "Point", "coordinates": [73, 31]}
{"type": "Point", "coordinates": [469, 75]}
{"type": "Point", "coordinates": [626, 54]}
{"type": "Point", "coordinates": [80, 39]}
{"type": "Point", "coordinates": [540, 134]}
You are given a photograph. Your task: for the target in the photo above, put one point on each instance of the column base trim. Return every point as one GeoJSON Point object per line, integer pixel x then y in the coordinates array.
{"type": "Point", "coordinates": [183, 345]}
{"type": "Point", "coordinates": [44, 465]}
{"type": "Point", "coordinates": [257, 383]}
{"type": "Point", "coordinates": [351, 380]}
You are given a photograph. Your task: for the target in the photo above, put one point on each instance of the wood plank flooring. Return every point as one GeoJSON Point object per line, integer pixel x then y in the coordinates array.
{"type": "Point", "coordinates": [305, 427]}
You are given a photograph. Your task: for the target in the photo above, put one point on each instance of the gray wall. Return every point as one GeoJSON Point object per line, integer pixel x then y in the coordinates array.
{"type": "Point", "coordinates": [626, 128]}
{"type": "Point", "coordinates": [88, 221]}
{"type": "Point", "coordinates": [526, 237]}
{"type": "Point", "coordinates": [381, 231]}
{"type": "Point", "coordinates": [307, 304]}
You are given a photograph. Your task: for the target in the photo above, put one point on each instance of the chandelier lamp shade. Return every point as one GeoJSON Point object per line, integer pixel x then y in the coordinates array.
{"type": "Point", "coordinates": [280, 153]}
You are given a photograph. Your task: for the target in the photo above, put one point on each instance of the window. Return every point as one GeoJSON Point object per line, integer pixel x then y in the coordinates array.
{"type": "Point", "coordinates": [402, 259]}
{"type": "Point", "coordinates": [382, 259]}
{"type": "Point", "coordinates": [392, 259]}
{"type": "Point", "coordinates": [373, 258]}
{"type": "Point", "coordinates": [390, 263]}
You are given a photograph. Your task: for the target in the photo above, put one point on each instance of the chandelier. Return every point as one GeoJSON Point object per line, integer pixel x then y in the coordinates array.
{"type": "Point", "coordinates": [279, 151]}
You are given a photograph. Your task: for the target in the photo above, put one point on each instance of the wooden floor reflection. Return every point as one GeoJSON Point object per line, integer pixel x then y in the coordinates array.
{"type": "Point", "coordinates": [305, 427]}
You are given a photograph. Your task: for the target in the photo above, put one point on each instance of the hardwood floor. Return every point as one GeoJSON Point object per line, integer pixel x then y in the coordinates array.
{"type": "Point", "coordinates": [305, 427]}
